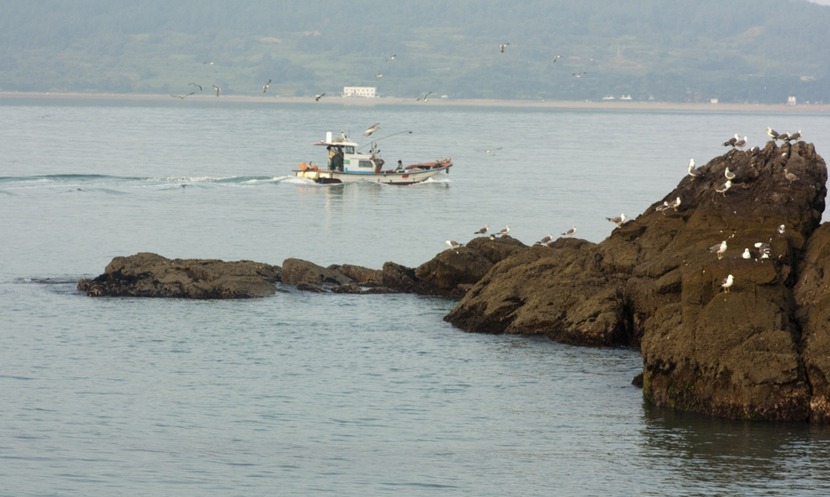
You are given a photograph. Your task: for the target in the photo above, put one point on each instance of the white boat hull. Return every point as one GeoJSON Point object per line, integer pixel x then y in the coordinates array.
{"type": "Point", "coordinates": [407, 176]}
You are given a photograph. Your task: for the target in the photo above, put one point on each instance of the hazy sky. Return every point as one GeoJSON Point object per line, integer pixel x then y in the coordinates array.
{"type": "Point", "coordinates": [821, 2]}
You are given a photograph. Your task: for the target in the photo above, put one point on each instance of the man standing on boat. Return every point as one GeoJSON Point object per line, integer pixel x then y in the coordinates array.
{"type": "Point", "coordinates": [337, 160]}
{"type": "Point", "coordinates": [332, 154]}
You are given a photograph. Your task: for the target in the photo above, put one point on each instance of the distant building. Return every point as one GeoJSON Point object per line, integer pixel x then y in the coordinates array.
{"type": "Point", "coordinates": [360, 91]}
{"type": "Point", "coordinates": [713, 100]}
{"type": "Point", "coordinates": [792, 100]}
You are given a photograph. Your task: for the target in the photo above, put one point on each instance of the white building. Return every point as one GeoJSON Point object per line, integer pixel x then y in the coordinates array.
{"type": "Point", "coordinates": [360, 91]}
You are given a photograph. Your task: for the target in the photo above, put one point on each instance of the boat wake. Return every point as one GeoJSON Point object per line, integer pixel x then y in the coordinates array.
{"type": "Point", "coordinates": [118, 184]}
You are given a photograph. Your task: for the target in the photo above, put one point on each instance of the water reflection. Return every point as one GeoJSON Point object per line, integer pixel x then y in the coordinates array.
{"type": "Point", "coordinates": [744, 458]}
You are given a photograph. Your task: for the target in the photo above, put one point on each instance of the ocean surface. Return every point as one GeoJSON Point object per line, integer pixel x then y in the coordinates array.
{"type": "Point", "coordinates": [343, 395]}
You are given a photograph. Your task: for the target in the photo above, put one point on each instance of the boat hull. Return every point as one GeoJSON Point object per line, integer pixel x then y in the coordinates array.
{"type": "Point", "coordinates": [412, 174]}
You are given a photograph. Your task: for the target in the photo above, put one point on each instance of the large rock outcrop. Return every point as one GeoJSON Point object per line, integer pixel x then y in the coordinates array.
{"type": "Point", "coordinates": [756, 352]}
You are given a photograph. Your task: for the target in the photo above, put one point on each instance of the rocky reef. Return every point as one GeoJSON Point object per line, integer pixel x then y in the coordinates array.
{"type": "Point", "coordinates": [755, 348]}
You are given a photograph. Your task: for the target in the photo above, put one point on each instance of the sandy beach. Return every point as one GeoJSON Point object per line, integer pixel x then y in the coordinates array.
{"type": "Point", "coordinates": [605, 105]}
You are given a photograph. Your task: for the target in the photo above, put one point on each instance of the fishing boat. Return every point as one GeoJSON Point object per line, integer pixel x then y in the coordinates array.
{"type": "Point", "coordinates": [346, 164]}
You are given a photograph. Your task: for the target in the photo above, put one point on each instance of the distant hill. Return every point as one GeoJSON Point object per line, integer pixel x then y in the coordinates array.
{"type": "Point", "coordinates": [732, 50]}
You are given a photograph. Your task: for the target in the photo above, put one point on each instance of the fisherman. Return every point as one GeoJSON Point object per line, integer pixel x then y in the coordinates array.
{"type": "Point", "coordinates": [332, 154]}
{"type": "Point", "coordinates": [400, 166]}
{"type": "Point", "coordinates": [338, 159]}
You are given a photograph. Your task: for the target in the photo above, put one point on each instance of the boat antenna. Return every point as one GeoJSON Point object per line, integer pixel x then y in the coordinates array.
{"type": "Point", "coordinates": [384, 137]}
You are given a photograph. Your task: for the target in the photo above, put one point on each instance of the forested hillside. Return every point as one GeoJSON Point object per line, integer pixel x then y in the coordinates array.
{"type": "Point", "coordinates": [733, 50]}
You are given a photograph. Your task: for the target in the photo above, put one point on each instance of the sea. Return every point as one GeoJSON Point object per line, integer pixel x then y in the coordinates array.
{"type": "Point", "coordinates": [312, 394]}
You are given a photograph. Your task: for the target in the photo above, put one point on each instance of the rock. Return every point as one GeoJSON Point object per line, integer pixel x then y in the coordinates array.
{"type": "Point", "coordinates": [653, 283]}
{"type": "Point", "coordinates": [151, 275]}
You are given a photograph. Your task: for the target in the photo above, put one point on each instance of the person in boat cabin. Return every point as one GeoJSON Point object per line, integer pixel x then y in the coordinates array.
{"type": "Point", "coordinates": [400, 166]}
{"type": "Point", "coordinates": [338, 159]}
{"type": "Point", "coordinates": [332, 153]}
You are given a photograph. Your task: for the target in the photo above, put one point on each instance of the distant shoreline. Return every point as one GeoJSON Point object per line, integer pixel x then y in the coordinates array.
{"type": "Point", "coordinates": [610, 105]}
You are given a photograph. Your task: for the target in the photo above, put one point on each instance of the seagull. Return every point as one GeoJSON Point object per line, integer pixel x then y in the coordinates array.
{"type": "Point", "coordinates": [183, 96]}
{"type": "Point", "coordinates": [727, 283]}
{"type": "Point", "coordinates": [731, 142]}
{"type": "Point", "coordinates": [764, 249]}
{"type": "Point", "coordinates": [580, 74]}
{"type": "Point", "coordinates": [570, 232]}
{"type": "Point", "coordinates": [195, 84]}
{"type": "Point", "coordinates": [718, 249]}
{"type": "Point", "coordinates": [545, 240]}
{"type": "Point", "coordinates": [741, 142]}
{"type": "Point", "coordinates": [617, 220]}
{"type": "Point", "coordinates": [729, 174]}
{"type": "Point", "coordinates": [318, 97]}
{"type": "Point", "coordinates": [502, 46]}
{"type": "Point", "coordinates": [482, 230]}
{"type": "Point", "coordinates": [265, 86]}
{"type": "Point", "coordinates": [391, 57]}
{"type": "Point", "coordinates": [371, 129]}
{"type": "Point", "coordinates": [453, 244]}
{"type": "Point", "coordinates": [379, 75]}
{"type": "Point", "coordinates": [795, 136]}
{"type": "Point", "coordinates": [676, 204]}
{"type": "Point", "coordinates": [217, 90]}
{"type": "Point", "coordinates": [772, 133]}
{"type": "Point", "coordinates": [790, 176]}
{"type": "Point", "coordinates": [746, 254]}
{"type": "Point", "coordinates": [425, 97]}
{"type": "Point", "coordinates": [504, 231]}
{"type": "Point", "coordinates": [784, 137]}
{"type": "Point", "coordinates": [781, 230]}
{"type": "Point", "coordinates": [555, 58]}
{"type": "Point", "coordinates": [726, 186]}
{"type": "Point", "coordinates": [692, 172]}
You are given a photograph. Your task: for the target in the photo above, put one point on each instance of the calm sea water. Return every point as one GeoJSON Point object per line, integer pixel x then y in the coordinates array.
{"type": "Point", "coordinates": [307, 394]}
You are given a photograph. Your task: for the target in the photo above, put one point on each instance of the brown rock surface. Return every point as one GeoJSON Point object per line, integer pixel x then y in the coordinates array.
{"type": "Point", "coordinates": [655, 283]}
{"type": "Point", "coordinates": [151, 275]}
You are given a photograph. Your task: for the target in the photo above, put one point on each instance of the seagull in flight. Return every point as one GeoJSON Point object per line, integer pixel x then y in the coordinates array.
{"type": "Point", "coordinates": [580, 74]}
{"type": "Point", "coordinates": [502, 46]}
{"type": "Point", "coordinates": [555, 58]}
{"type": "Point", "coordinates": [217, 90]}
{"type": "Point", "coordinates": [318, 97]}
{"type": "Point", "coordinates": [265, 86]}
{"type": "Point", "coordinates": [391, 57]}
{"type": "Point", "coordinates": [371, 129]}
{"type": "Point", "coordinates": [425, 97]}
{"type": "Point", "coordinates": [182, 97]}
{"type": "Point", "coordinates": [195, 84]}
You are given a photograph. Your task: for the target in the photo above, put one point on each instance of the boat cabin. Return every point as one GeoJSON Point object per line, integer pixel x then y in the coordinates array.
{"type": "Point", "coordinates": [343, 156]}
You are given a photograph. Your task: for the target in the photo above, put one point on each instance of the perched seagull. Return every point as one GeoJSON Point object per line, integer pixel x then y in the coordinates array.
{"type": "Point", "coordinates": [570, 232]}
{"type": "Point", "coordinates": [425, 97]}
{"type": "Point", "coordinates": [731, 142]}
{"type": "Point", "coordinates": [795, 136]}
{"type": "Point", "coordinates": [195, 84]}
{"type": "Point", "coordinates": [619, 220]}
{"type": "Point", "coordinates": [784, 137]}
{"type": "Point", "coordinates": [772, 133]}
{"type": "Point", "coordinates": [676, 204]}
{"type": "Point", "coordinates": [729, 174]}
{"type": "Point", "coordinates": [547, 240]}
{"type": "Point", "coordinates": [790, 176]}
{"type": "Point", "coordinates": [217, 90]}
{"type": "Point", "coordinates": [692, 172]}
{"type": "Point", "coordinates": [764, 249]}
{"type": "Point", "coordinates": [755, 151]}
{"type": "Point", "coordinates": [504, 231]}
{"type": "Point", "coordinates": [781, 230]}
{"type": "Point", "coordinates": [746, 254]}
{"type": "Point", "coordinates": [727, 283]}
{"type": "Point", "coordinates": [502, 46]}
{"type": "Point", "coordinates": [371, 129]}
{"type": "Point", "coordinates": [265, 86]}
{"type": "Point", "coordinates": [453, 244]}
{"type": "Point", "coordinates": [318, 97]}
{"type": "Point", "coordinates": [718, 249]}
{"type": "Point", "coordinates": [482, 230]}
{"type": "Point", "coordinates": [726, 186]}
{"type": "Point", "coordinates": [741, 142]}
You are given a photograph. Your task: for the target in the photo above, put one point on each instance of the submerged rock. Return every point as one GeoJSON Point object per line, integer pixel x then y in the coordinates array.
{"type": "Point", "coordinates": [755, 352]}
